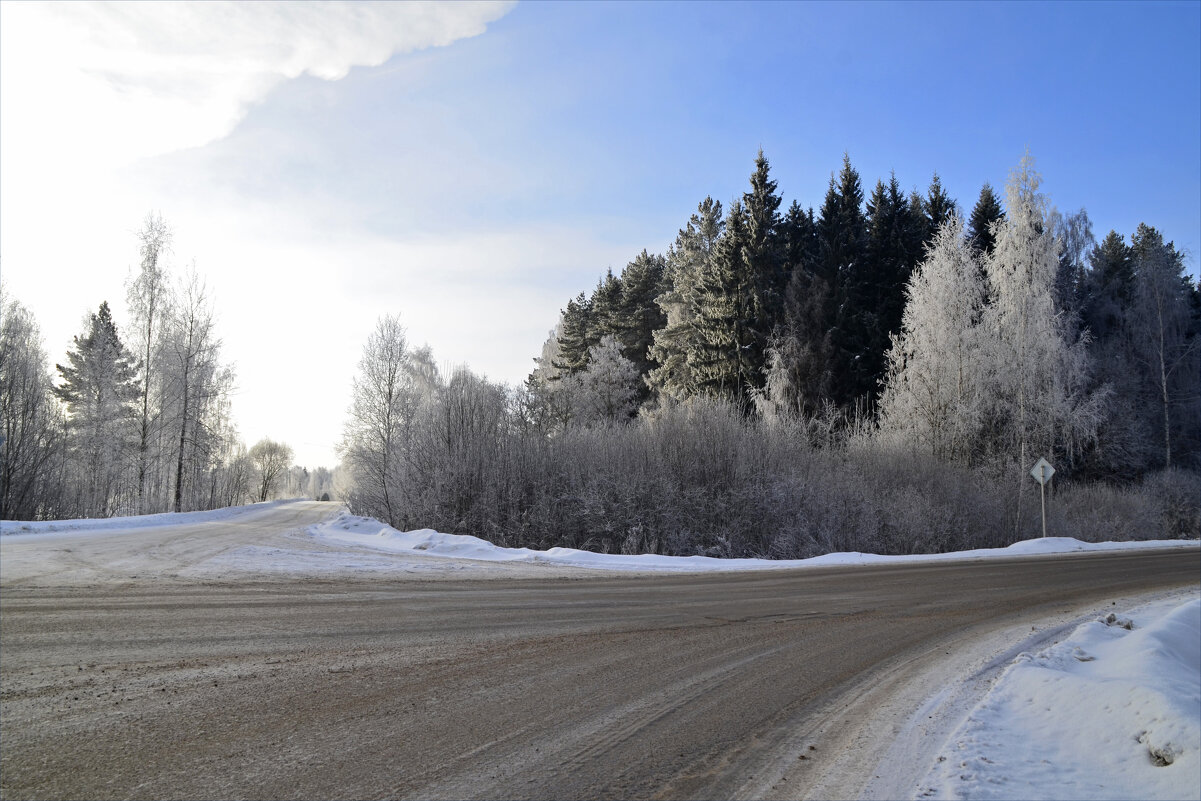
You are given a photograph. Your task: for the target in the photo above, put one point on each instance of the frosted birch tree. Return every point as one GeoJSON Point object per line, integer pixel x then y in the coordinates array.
{"type": "Point", "coordinates": [933, 391]}
{"type": "Point", "coordinates": [31, 425]}
{"type": "Point", "coordinates": [382, 402]}
{"type": "Point", "coordinates": [148, 297]}
{"type": "Point", "coordinates": [608, 385]}
{"type": "Point", "coordinates": [272, 460]}
{"type": "Point", "coordinates": [1038, 396]}
{"type": "Point", "coordinates": [195, 382]}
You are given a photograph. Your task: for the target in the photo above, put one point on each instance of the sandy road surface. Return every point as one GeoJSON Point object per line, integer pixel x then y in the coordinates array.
{"type": "Point", "coordinates": [177, 682]}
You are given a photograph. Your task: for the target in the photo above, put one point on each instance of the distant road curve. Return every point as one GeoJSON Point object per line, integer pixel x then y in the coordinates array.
{"type": "Point", "coordinates": [128, 671]}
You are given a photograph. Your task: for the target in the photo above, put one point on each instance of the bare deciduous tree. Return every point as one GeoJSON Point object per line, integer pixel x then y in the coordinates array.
{"type": "Point", "coordinates": [31, 424]}
{"type": "Point", "coordinates": [272, 459]}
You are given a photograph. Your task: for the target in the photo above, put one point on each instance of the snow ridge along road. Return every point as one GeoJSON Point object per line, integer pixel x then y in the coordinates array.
{"type": "Point", "coordinates": [151, 663]}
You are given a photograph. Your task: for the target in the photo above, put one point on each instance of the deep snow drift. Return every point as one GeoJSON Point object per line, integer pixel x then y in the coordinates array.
{"type": "Point", "coordinates": [1112, 711]}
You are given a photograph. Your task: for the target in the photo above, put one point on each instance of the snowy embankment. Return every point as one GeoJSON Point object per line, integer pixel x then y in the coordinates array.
{"type": "Point", "coordinates": [1113, 711]}
{"type": "Point", "coordinates": [370, 533]}
{"type": "Point", "coordinates": [15, 528]}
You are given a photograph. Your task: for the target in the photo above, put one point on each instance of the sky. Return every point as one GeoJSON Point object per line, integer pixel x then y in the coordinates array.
{"type": "Point", "coordinates": [472, 166]}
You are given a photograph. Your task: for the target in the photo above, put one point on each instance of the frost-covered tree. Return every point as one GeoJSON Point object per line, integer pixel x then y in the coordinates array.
{"type": "Point", "coordinates": [675, 378]}
{"type": "Point", "coordinates": [574, 335]}
{"type": "Point", "coordinates": [1038, 387]}
{"type": "Point", "coordinates": [642, 282]}
{"type": "Point", "coordinates": [196, 387]}
{"type": "Point", "coordinates": [382, 402]}
{"type": "Point", "coordinates": [1074, 233]}
{"type": "Point", "coordinates": [393, 384]}
{"type": "Point", "coordinates": [272, 460]}
{"type": "Point", "coordinates": [31, 424]}
{"type": "Point", "coordinates": [148, 297]}
{"type": "Point", "coordinates": [933, 392]}
{"type": "Point", "coordinates": [722, 308]}
{"type": "Point", "coordinates": [550, 401]}
{"type": "Point", "coordinates": [608, 385]}
{"type": "Point", "coordinates": [99, 387]}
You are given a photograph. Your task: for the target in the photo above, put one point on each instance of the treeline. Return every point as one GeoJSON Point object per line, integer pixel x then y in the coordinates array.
{"type": "Point", "coordinates": [873, 376]}
{"type": "Point", "coordinates": [801, 314]}
{"type": "Point", "coordinates": [129, 424]}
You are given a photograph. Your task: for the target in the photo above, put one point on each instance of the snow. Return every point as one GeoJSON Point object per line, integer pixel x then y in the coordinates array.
{"type": "Point", "coordinates": [20, 529]}
{"type": "Point", "coordinates": [1086, 717]}
{"type": "Point", "coordinates": [1112, 711]}
{"type": "Point", "coordinates": [370, 533]}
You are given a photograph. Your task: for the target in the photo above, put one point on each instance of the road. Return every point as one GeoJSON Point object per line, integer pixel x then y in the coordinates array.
{"type": "Point", "coordinates": [553, 684]}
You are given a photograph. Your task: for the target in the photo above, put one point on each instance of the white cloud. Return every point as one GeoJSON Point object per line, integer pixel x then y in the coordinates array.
{"type": "Point", "coordinates": [107, 83]}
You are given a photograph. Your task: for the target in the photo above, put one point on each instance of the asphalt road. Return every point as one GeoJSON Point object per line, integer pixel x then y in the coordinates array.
{"type": "Point", "coordinates": [555, 684]}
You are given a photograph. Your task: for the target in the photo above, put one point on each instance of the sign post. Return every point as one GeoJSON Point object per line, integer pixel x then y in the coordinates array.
{"type": "Point", "coordinates": [1042, 472]}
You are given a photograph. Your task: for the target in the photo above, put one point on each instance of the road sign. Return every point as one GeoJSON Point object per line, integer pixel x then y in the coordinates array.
{"type": "Point", "coordinates": [1042, 471]}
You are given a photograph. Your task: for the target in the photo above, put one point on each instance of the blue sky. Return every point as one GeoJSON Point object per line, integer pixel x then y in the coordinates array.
{"type": "Point", "coordinates": [473, 166]}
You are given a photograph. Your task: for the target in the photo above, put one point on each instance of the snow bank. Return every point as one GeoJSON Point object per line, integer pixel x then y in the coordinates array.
{"type": "Point", "coordinates": [11, 528]}
{"type": "Point", "coordinates": [1109, 712]}
{"type": "Point", "coordinates": [370, 533]}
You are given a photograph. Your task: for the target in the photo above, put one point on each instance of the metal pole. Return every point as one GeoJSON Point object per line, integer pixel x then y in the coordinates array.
{"type": "Point", "coordinates": [1042, 486]}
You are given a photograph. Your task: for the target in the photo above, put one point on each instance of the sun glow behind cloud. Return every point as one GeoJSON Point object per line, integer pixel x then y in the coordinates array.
{"type": "Point", "coordinates": [111, 83]}
{"type": "Point", "coordinates": [92, 94]}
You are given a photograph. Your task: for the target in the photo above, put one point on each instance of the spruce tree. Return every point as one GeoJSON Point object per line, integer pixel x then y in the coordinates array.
{"type": "Point", "coordinates": [765, 257]}
{"type": "Point", "coordinates": [841, 250]}
{"type": "Point", "coordinates": [938, 207]}
{"type": "Point", "coordinates": [606, 308]}
{"type": "Point", "coordinates": [798, 356]}
{"type": "Point", "coordinates": [873, 288]}
{"type": "Point", "coordinates": [798, 232]}
{"type": "Point", "coordinates": [1108, 286]}
{"type": "Point", "coordinates": [985, 214]}
{"type": "Point", "coordinates": [693, 249]}
{"type": "Point", "coordinates": [841, 226]}
{"type": "Point", "coordinates": [642, 282]}
{"type": "Point", "coordinates": [724, 364]}
{"type": "Point", "coordinates": [99, 387]}
{"type": "Point", "coordinates": [574, 336]}
{"type": "Point", "coordinates": [1126, 441]}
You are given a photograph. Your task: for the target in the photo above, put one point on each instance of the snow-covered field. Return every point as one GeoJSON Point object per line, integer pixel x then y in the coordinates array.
{"type": "Point", "coordinates": [370, 533]}
{"type": "Point", "coordinates": [115, 525]}
{"type": "Point", "coordinates": [1112, 711]}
